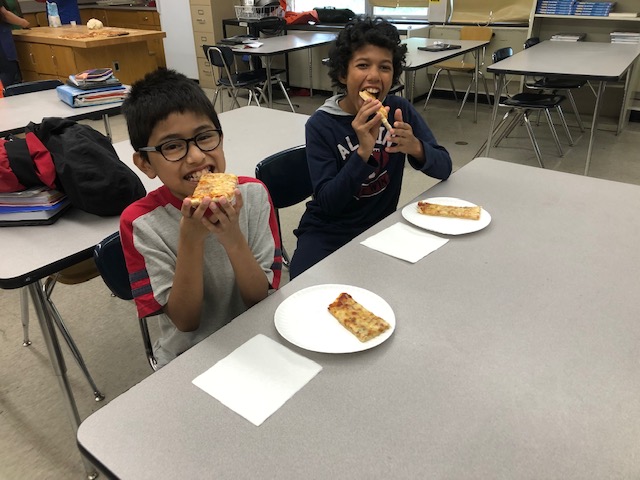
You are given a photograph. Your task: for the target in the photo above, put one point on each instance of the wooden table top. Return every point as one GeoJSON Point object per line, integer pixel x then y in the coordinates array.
{"type": "Point", "coordinates": [78, 36]}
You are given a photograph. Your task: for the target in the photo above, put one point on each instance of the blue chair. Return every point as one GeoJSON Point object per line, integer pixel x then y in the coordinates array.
{"type": "Point", "coordinates": [109, 259]}
{"type": "Point", "coordinates": [286, 176]}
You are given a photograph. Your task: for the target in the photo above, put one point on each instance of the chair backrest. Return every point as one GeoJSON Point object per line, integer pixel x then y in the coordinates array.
{"type": "Point", "coordinates": [220, 56]}
{"type": "Point", "coordinates": [109, 259]}
{"type": "Point", "coordinates": [270, 26]}
{"type": "Point", "coordinates": [530, 42]}
{"type": "Point", "coordinates": [501, 54]}
{"type": "Point", "coordinates": [476, 33]}
{"type": "Point", "coordinates": [28, 87]}
{"type": "Point", "coordinates": [286, 175]}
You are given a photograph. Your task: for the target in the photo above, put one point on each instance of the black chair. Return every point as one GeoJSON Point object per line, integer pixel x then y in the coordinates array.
{"type": "Point", "coordinates": [286, 175]}
{"type": "Point", "coordinates": [29, 87]}
{"type": "Point", "coordinates": [273, 27]}
{"type": "Point", "coordinates": [221, 59]}
{"type": "Point", "coordinates": [109, 259]}
{"type": "Point", "coordinates": [554, 84]}
{"type": "Point", "coordinates": [522, 104]}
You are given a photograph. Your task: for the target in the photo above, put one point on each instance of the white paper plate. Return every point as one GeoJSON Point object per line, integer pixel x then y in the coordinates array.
{"type": "Point", "coordinates": [303, 319]}
{"type": "Point", "coordinates": [446, 225]}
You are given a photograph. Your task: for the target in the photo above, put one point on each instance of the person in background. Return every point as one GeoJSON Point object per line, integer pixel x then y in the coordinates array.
{"type": "Point", "coordinates": [196, 268]}
{"type": "Point", "coordinates": [14, 7]}
{"type": "Point", "coordinates": [67, 10]}
{"type": "Point", "coordinates": [9, 68]}
{"type": "Point", "coordinates": [356, 164]}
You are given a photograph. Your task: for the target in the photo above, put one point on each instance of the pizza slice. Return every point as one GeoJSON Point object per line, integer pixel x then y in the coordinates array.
{"type": "Point", "coordinates": [437, 210]}
{"type": "Point", "coordinates": [215, 186]}
{"type": "Point", "coordinates": [364, 324]}
{"type": "Point", "coordinates": [382, 111]}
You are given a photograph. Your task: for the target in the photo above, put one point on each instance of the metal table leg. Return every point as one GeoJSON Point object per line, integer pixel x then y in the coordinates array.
{"type": "Point", "coordinates": [494, 114]}
{"type": "Point", "coordinates": [57, 362]}
{"type": "Point", "coordinates": [594, 124]}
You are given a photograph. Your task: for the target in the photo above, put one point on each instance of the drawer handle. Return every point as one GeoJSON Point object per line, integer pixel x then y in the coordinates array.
{"type": "Point", "coordinates": [200, 12]}
{"type": "Point", "coordinates": [202, 20]}
{"type": "Point", "coordinates": [33, 60]}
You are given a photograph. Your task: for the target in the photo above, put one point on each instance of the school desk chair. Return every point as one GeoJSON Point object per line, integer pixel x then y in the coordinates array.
{"type": "Point", "coordinates": [286, 176]}
{"type": "Point", "coordinates": [109, 259]}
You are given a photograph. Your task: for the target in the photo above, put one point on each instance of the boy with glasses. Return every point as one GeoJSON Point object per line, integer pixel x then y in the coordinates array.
{"type": "Point", "coordinates": [195, 268]}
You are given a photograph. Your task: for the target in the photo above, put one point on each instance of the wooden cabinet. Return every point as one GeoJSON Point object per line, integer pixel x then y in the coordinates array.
{"type": "Point", "coordinates": [598, 29]}
{"type": "Point", "coordinates": [206, 18]}
{"type": "Point", "coordinates": [44, 52]}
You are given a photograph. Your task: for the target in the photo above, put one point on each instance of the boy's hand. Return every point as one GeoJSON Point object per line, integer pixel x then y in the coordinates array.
{"type": "Point", "coordinates": [193, 223]}
{"type": "Point", "coordinates": [367, 130]}
{"type": "Point", "coordinates": [403, 139]}
{"type": "Point", "coordinates": [223, 221]}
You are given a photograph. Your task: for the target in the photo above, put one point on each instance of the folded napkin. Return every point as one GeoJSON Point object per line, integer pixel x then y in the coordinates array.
{"type": "Point", "coordinates": [257, 378]}
{"type": "Point", "coordinates": [404, 242]}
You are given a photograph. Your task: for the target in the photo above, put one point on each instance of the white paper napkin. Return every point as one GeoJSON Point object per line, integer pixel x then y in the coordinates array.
{"type": "Point", "coordinates": [404, 242]}
{"type": "Point", "coordinates": [257, 378]}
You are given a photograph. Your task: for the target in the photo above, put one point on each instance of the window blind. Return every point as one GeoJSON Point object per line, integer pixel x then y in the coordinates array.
{"type": "Point", "coordinates": [477, 11]}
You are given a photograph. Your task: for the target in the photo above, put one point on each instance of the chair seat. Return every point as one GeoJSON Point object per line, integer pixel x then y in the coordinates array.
{"type": "Point", "coordinates": [240, 80]}
{"type": "Point", "coordinates": [78, 273]}
{"type": "Point", "coordinates": [533, 100]}
{"type": "Point", "coordinates": [558, 83]}
{"type": "Point", "coordinates": [456, 66]}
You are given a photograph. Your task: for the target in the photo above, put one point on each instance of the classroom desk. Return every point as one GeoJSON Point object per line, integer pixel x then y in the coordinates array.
{"type": "Point", "coordinates": [594, 61]}
{"type": "Point", "coordinates": [291, 42]}
{"type": "Point", "coordinates": [515, 355]}
{"type": "Point", "coordinates": [30, 254]}
{"type": "Point", "coordinates": [419, 59]}
{"type": "Point", "coordinates": [17, 111]}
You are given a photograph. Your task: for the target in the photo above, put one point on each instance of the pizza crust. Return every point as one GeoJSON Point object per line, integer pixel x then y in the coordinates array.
{"type": "Point", "coordinates": [437, 210]}
{"type": "Point", "coordinates": [362, 323]}
{"type": "Point", "coordinates": [215, 186]}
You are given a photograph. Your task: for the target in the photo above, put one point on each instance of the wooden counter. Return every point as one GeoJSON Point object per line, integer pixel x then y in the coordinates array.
{"type": "Point", "coordinates": [45, 52]}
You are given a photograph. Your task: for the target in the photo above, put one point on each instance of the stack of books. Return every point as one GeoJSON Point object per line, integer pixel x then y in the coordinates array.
{"type": "Point", "coordinates": [34, 206]}
{"type": "Point", "coordinates": [556, 7]}
{"type": "Point", "coordinates": [94, 78]}
{"type": "Point", "coordinates": [593, 9]}
{"type": "Point", "coordinates": [625, 37]}
{"type": "Point", "coordinates": [568, 37]}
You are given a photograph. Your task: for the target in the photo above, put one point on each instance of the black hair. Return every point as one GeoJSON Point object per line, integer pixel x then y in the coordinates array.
{"type": "Point", "coordinates": [358, 33]}
{"type": "Point", "coordinates": [159, 94]}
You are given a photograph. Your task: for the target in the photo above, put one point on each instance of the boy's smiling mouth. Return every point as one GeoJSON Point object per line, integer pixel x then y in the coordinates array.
{"type": "Point", "coordinates": [374, 92]}
{"type": "Point", "coordinates": [195, 176]}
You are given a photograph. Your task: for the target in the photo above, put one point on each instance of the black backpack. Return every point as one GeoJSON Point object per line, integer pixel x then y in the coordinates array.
{"type": "Point", "coordinates": [87, 167]}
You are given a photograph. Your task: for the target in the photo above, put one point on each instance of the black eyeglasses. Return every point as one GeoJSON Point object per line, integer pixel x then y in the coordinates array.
{"type": "Point", "coordinates": [176, 149]}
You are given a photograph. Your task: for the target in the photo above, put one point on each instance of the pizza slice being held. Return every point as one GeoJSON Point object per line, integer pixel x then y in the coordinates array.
{"type": "Point", "coordinates": [215, 186]}
{"type": "Point", "coordinates": [382, 111]}
{"type": "Point", "coordinates": [437, 210]}
{"type": "Point", "coordinates": [364, 324]}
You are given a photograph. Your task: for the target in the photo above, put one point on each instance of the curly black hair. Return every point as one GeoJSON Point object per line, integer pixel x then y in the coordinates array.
{"type": "Point", "coordinates": [357, 33]}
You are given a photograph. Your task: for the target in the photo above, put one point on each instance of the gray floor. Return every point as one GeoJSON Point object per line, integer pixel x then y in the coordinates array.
{"type": "Point", "coordinates": [36, 440]}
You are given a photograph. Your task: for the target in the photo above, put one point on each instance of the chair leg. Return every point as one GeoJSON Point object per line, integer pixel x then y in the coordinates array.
{"type": "Point", "coordinates": [55, 315]}
{"type": "Point", "coordinates": [532, 137]}
{"type": "Point", "coordinates": [486, 88]}
{"type": "Point", "coordinates": [515, 121]}
{"type": "Point", "coordinates": [554, 133]}
{"type": "Point", "coordinates": [433, 84]}
{"type": "Point", "coordinates": [575, 110]}
{"type": "Point", "coordinates": [496, 129]}
{"type": "Point", "coordinates": [148, 347]}
{"type": "Point", "coordinates": [453, 87]}
{"type": "Point", "coordinates": [286, 95]}
{"type": "Point", "coordinates": [563, 120]}
{"type": "Point", "coordinates": [466, 95]}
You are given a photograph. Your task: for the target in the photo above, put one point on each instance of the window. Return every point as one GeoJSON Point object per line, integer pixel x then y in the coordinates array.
{"type": "Point", "coordinates": [363, 6]}
{"type": "Point", "coordinates": [357, 6]}
{"type": "Point", "coordinates": [401, 13]}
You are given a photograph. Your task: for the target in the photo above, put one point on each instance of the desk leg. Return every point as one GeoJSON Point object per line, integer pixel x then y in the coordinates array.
{"type": "Point", "coordinates": [494, 114]}
{"type": "Point", "coordinates": [477, 72]}
{"type": "Point", "coordinates": [269, 89]}
{"type": "Point", "coordinates": [57, 362]}
{"type": "Point", "coordinates": [626, 101]}
{"type": "Point", "coordinates": [594, 124]}
{"type": "Point", "coordinates": [310, 57]}
{"type": "Point", "coordinates": [107, 127]}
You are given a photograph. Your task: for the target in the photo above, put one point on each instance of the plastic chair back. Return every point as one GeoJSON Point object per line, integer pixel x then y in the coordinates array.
{"type": "Point", "coordinates": [109, 259]}
{"type": "Point", "coordinates": [29, 87]}
{"type": "Point", "coordinates": [501, 54]}
{"type": "Point", "coordinates": [286, 175]}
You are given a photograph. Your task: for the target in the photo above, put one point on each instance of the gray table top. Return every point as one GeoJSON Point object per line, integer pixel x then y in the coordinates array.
{"type": "Point", "coordinates": [515, 356]}
{"type": "Point", "coordinates": [18, 110]}
{"type": "Point", "coordinates": [417, 59]}
{"type": "Point", "coordinates": [591, 60]}
{"type": "Point", "coordinates": [288, 43]}
{"type": "Point", "coordinates": [30, 253]}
